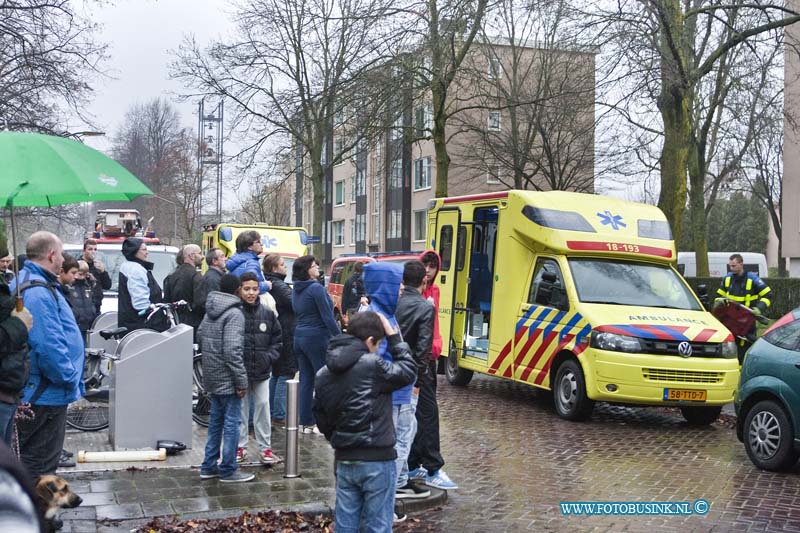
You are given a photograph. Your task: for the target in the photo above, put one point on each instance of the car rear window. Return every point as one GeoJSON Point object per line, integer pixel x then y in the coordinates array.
{"type": "Point", "coordinates": [786, 336]}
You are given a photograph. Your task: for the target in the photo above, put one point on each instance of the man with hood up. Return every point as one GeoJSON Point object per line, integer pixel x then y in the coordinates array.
{"type": "Point", "coordinates": [382, 283]}
{"type": "Point", "coordinates": [425, 461]}
{"type": "Point", "coordinates": [138, 289]}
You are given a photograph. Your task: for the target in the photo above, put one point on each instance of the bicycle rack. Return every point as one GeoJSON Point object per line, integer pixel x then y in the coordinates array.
{"type": "Point", "coordinates": [107, 320]}
{"type": "Point", "coordinates": [151, 389]}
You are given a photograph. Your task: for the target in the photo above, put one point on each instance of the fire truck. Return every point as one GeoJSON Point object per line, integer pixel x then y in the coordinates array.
{"type": "Point", "coordinates": [115, 225]}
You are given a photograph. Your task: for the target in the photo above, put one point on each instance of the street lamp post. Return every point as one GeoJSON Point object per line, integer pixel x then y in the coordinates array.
{"type": "Point", "coordinates": [175, 216]}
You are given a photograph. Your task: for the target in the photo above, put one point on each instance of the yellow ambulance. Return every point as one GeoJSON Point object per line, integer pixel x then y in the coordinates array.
{"type": "Point", "coordinates": [288, 242]}
{"type": "Point", "coordinates": [578, 294]}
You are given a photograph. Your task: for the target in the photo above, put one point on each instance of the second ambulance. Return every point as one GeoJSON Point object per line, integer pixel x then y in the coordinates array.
{"type": "Point", "coordinates": [576, 293]}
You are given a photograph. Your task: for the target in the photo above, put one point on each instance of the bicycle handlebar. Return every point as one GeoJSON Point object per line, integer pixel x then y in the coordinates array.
{"type": "Point", "coordinates": [167, 306]}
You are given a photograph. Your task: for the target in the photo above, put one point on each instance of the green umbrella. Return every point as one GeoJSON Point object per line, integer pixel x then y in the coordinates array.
{"type": "Point", "coordinates": [57, 170]}
{"type": "Point", "coordinates": [42, 171]}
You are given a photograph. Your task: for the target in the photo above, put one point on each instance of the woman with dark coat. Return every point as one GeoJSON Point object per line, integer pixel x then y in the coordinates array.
{"type": "Point", "coordinates": [315, 326]}
{"type": "Point", "coordinates": [138, 289]}
{"type": "Point", "coordinates": [286, 366]}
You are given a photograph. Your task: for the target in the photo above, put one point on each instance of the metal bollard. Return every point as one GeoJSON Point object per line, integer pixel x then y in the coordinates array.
{"type": "Point", "coordinates": [292, 454]}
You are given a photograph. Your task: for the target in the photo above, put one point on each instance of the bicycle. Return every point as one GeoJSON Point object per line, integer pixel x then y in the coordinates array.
{"type": "Point", "coordinates": [90, 413]}
{"type": "Point", "coordinates": [201, 405]}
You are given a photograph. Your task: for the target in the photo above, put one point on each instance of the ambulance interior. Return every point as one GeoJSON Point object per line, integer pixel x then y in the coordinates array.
{"type": "Point", "coordinates": [481, 281]}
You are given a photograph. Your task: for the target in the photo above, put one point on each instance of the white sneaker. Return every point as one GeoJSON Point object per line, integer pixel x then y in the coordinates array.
{"type": "Point", "coordinates": [310, 430]}
{"type": "Point", "coordinates": [399, 518]}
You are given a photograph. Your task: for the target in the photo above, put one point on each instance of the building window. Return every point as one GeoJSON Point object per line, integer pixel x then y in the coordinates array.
{"type": "Point", "coordinates": [376, 228]}
{"type": "Point", "coordinates": [395, 229]}
{"type": "Point", "coordinates": [397, 128]}
{"type": "Point", "coordinates": [338, 189]}
{"type": "Point", "coordinates": [420, 224]}
{"type": "Point", "coordinates": [493, 175]}
{"type": "Point", "coordinates": [338, 117]}
{"type": "Point", "coordinates": [352, 231]}
{"type": "Point", "coordinates": [422, 173]}
{"type": "Point", "coordinates": [361, 182]}
{"type": "Point", "coordinates": [338, 147]}
{"type": "Point", "coordinates": [494, 121]}
{"type": "Point", "coordinates": [423, 119]}
{"type": "Point", "coordinates": [396, 174]}
{"type": "Point", "coordinates": [338, 232]}
{"type": "Point", "coordinates": [376, 195]}
{"type": "Point", "coordinates": [361, 227]}
{"type": "Point", "coordinates": [352, 189]}
{"type": "Point", "coordinates": [494, 68]}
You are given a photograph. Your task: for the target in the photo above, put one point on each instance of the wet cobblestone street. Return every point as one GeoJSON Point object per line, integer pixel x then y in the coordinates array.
{"type": "Point", "coordinates": [515, 460]}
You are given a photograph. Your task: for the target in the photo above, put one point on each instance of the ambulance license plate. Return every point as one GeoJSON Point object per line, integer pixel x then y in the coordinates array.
{"type": "Point", "coordinates": [684, 395]}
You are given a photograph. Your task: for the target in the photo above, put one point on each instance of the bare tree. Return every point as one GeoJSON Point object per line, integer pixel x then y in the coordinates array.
{"type": "Point", "coordinates": [152, 145]}
{"type": "Point", "coordinates": [48, 57]}
{"type": "Point", "coordinates": [290, 68]}
{"type": "Point", "coordinates": [666, 50]}
{"type": "Point", "coordinates": [526, 105]}
{"type": "Point", "coordinates": [762, 167]}
{"type": "Point", "coordinates": [436, 39]}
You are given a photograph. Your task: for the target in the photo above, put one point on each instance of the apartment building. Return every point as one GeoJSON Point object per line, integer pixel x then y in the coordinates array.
{"type": "Point", "coordinates": [378, 196]}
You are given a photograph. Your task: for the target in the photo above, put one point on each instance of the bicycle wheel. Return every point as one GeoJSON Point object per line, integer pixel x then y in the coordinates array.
{"type": "Point", "coordinates": [90, 413]}
{"type": "Point", "coordinates": [201, 406]}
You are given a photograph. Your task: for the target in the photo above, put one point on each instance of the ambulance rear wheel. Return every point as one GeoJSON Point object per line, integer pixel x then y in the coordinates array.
{"type": "Point", "coordinates": [700, 416]}
{"type": "Point", "coordinates": [455, 375]}
{"type": "Point", "coordinates": [569, 392]}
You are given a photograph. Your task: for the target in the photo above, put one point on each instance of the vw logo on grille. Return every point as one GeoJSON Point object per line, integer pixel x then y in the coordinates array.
{"type": "Point", "coordinates": [685, 349]}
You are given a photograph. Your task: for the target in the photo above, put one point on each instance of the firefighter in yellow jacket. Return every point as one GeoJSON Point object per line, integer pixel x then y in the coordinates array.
{"type": "Point", "coordinates": [745, 287]}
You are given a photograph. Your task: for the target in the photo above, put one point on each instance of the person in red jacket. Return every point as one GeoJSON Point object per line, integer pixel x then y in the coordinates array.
{"type": "Point", "coordinates": [425, 461]}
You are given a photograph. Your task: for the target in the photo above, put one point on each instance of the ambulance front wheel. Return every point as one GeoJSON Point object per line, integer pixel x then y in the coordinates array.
{"type": "Point", "coordinates": [569, 392]}
{"type": "Point", "coordinates": [455, 375]}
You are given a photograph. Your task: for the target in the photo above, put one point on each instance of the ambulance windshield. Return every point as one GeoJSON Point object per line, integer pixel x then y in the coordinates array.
{"type": "Point", "coordinates": [630, 283]}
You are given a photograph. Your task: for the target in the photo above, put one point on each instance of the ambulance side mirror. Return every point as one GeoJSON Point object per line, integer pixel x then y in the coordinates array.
{"type": "Point", "coordinates": [550, 292]}
{"type": "Point", "coordinates": [702, 294]}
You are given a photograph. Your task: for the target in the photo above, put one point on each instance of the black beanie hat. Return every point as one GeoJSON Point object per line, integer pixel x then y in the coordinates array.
{"type": "Point", "coordinates": [229, 283]}
{"type": "Point", "coordinates": [130, 246]}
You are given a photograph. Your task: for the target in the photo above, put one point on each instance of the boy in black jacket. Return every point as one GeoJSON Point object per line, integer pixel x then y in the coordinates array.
{"type": "Point", "coordinates": [353, 409]}
{"type": "Point", "coordinates": [262, 348]}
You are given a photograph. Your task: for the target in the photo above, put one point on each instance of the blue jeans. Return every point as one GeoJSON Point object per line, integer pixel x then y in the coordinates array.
{"type": "Point", "coordinates": [310, 353]}
{"type": "Point", "coordinates": [405, 427]}
{"type": "Point", "coordinates": [277, 396]}
{"type": "Point", "coordinates": [7, 412]}
{"type": "Point", "coordinates": [223, 428]}
{"type": "Point", "coordinates": [364, 496]}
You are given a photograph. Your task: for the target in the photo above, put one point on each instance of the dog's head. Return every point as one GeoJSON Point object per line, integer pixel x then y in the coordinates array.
{"type": "Point", "coordinates": [54, 493]}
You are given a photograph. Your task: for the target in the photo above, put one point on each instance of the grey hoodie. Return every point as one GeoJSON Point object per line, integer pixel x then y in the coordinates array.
{"type": "Point", "coordinates": [221, 335]}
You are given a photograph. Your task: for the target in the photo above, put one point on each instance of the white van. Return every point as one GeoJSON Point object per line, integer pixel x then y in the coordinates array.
{"type": "Point", "coordinates": [718, 263]}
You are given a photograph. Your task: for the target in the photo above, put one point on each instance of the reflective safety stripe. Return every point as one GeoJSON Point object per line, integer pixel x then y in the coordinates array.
{"type": "Point", "coordinates": [748, 299]}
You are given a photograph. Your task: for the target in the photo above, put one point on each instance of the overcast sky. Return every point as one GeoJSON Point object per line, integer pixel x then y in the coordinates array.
{"type": "Point", "coordinates": [141, 35]}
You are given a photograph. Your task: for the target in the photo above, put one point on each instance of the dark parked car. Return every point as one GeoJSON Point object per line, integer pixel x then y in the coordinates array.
{"type": "Point", "coordinates": [768, 399]}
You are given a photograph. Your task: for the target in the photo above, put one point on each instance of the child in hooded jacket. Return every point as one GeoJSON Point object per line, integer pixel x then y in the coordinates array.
{"type": "Point", "coordinates": [224, 378]}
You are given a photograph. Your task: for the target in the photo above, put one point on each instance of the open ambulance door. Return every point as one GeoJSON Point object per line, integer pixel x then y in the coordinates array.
{"type": "Point", "coordinates": [451, 239]}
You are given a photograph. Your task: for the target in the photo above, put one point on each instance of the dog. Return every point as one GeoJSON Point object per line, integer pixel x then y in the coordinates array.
{"type": "Point", "coordinates": [53, 493]}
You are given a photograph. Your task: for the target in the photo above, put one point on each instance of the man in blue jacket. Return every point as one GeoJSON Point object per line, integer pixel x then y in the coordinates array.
{"type": "Point", "coordinates": [248, 248]}
{"type": "Point", "coordinates": [56, 354]}
{"type": "Point", "coordinates": [383, 283]}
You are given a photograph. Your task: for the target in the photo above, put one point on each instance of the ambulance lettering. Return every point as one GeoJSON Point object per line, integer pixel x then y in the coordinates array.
{"type": "Point", "coordinates": [655, 318]}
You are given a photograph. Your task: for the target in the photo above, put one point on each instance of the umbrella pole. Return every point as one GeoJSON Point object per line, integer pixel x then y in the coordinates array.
{"type": "Point", "coordinates": [16, 261]}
